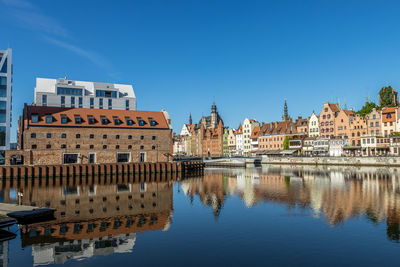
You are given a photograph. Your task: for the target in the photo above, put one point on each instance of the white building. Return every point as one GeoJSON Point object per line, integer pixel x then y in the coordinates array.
{"type": "Point", "coordinates": [78, 94]}
{"type": "Point", "coordinates": [336, 146]}
{"type": "Point", "coordinates": [239, 141]}
{"type": "Point", "coordinates": [5, 101]}
{"type": "Point", "coordinates": [248, 126]}
{"type": "Point", "coordinates": [313, 126]}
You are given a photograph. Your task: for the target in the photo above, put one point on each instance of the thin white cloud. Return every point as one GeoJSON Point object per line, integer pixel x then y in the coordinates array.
{"type": "Point", "coordinates": [93, 57]}
{"type": "Point", "coordinates": [30, 17]}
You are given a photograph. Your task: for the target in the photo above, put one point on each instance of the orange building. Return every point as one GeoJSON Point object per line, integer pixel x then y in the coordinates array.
{"type": "Point", "coordinates": [272, 134]}
{"type": "Point", "coordinates": [211, 140]}
{"type": "Point", "coordinates": [388, 123]}
{"type": "Point", "coordinates": [342, 123]}
{"type": "Point", "coordinates": [327, 120]}
{"type": "Point", "coordinates": [358, 128]}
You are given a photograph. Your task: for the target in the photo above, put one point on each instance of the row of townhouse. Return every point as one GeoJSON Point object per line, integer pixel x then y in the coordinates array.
{"type": "Point", "coordinates": [335, 132]}
{"type": "Point", "coordinates": [342, 131]}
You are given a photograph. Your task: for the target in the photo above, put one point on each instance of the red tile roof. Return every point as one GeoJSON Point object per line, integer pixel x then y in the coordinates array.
{"type": "Point", "coordinates": [333, 107]}
{"type": "Point", "coordinates": [57, 113]}
{"type": "Point", "coordinates": [255, 133]}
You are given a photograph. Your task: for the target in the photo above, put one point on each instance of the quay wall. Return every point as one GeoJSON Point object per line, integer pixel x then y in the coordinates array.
{"type": "Point", "coordinates": [80, 170]}
{"type": "Point", "coordinates": [341, 161]}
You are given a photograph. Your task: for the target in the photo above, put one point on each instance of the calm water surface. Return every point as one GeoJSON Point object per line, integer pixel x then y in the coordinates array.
{"type": "Point", "coordinates": [275, 215]}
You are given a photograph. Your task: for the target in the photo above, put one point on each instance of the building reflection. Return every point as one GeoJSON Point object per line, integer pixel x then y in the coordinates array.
{"type": "Point", "coordinates": [332, 194]}
{"type": "Point", "coordinates": [91, 219]}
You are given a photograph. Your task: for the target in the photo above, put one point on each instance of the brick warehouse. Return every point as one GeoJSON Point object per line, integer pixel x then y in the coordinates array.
{"type": "Point", "coordinates": [55, 135]}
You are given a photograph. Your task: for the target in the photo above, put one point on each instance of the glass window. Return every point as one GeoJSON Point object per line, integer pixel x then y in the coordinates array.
{"type": "Point", "coordinates": [44, 100]}
{"type": "Point", "coordinates": [141, 122]}
{"type": "Point", "coordinates": [3, 108]}
{"type": "Point", "coordinates": [33, 135]}
{"type": "Point", "coordinates": [48, 135]}
{"type": "Point", "coordinates": [91, 102]}
{"type": "Point", "coordinates": [3, 86]}
{"type": "Point", "coordinates": [78, 136]}
{"type": "Point", "coordinates": [72, 101]}
{"type": "Point", "coordinates": [62, 101]}
{"type": "Point", "coordinates": [49, 119]}
{"type": "Point", "coordinates": [109, 103]}
{"type": "Point", "coordinates": [35, 118]}
{"type": "Point", "coordinates": [100, 103]}
{"type": "Point", "coordinates": [64, 119]}
{"type": "Point", "coordinates": [80, 101]}
{"type": "Point", "coordinates": [78, 120]}
{"type": "Point", "coordinates": [104, 120]}
{"type": "Point", "coordinates": [105, 93]}
{"type": "Point", "coordinates": [153, 123]}
{"type": "Point", "coordinates": [69, 91]}
{"type": "Point", "coordinates": [91, 136]}
{"type": "Point", "coordinates": [63, 135]}
{"type": "Point", "coordinates": [129, 122]}
{"type": "Point", "coordinates": [4, 68]}
{"type": "Point", "coordinates": [127, 104]}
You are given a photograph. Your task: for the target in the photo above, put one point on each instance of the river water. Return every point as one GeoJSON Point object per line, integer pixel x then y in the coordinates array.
{"type": "Point", "coordinates": [274, 215]}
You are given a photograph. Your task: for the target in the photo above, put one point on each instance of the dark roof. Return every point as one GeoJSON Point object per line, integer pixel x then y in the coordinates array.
{"type": "Point", "coordinates": [151, 119]}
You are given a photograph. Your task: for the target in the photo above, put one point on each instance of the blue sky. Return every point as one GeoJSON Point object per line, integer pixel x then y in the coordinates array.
{"type": "Point", "coordinates": [181, 55]}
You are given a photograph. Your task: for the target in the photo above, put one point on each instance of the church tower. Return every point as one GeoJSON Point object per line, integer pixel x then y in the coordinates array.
{"type": "Point", "coordinates": [214, 122]}
{"type": "Point", "coordinates": [190, 118]}
{"type": "Point", "coordinates": [285, 112]}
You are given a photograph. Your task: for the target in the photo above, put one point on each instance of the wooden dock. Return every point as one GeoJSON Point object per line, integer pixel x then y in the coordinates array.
{"type": "Point", "coordinates": [181, 169]}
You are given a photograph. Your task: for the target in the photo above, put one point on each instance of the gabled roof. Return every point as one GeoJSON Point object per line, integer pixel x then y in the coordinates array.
{"type": "Point", "coordinates": [333, 107]}
{"type": "Point", "coordinates": [349, 112]}
{"type": "Point", "coordinates": [140, 119]}
{"type": "Point", "coordinates": [255, 133]}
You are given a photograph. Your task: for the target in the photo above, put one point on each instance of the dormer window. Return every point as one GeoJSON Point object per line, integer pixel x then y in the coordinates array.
{"type": "Point", "coordinates": [35, 118]}
{"type": "Point", "coordinates": [141, 121]}
{"type": "Point", "coordinates": [49, 119]}
{"type": "Point", "coordinates": [153, 123]}
{"type": "Point", "coordinates": [104, 120]}
{"type": "Point", "coordinates": [91, 120]}
{"type": "Point", "coordinates": [78, 119]}
{"type": "Point", "coordinates": [129, 121]}
{"type": "Point", "coordinates": [64, 119]}
{"type": "Point", "coordinates": [117, 121]}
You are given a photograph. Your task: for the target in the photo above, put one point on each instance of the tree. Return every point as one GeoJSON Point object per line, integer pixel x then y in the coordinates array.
{"type": "Point", "coordinates": [286, 143]}
{"type": "Point", "coordinates": [386, 97]}
{"type": "Point", "coordinates": [367, 108]}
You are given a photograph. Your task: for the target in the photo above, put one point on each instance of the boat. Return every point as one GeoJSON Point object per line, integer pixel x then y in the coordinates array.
{"type": "Point", "coordinates": [6, 221]}
{"type": "Point", "coordinates": [6, 235]}
{"type": "Point", "coordinates": [30, 216]}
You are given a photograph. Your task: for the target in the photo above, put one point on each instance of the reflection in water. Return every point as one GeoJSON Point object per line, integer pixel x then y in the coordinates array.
{"type": "Point", "coordinates": [94, 219]}
{"type": "Point", "coordinates": [102, 217]}
{"type": "Point", "coordinates": [334, 194]}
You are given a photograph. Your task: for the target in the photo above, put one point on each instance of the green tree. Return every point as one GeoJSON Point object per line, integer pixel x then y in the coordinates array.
{"type": "Point", "coordinates": [286, 143]}
{"type": "Point", "coordinates": [386, 98]}
{"type": "Point", "coordinates": [367, 108]}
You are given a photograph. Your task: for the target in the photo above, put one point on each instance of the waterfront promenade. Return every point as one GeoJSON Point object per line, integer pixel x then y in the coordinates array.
{"type": "Point", "coordinates": [333, 161]}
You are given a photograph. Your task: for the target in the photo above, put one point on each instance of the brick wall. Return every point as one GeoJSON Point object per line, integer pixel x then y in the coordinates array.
{"type": "Point", "coordinates": [52, 142]}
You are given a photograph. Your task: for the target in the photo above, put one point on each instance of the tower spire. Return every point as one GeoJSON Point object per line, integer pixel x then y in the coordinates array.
{"type": "Point", "coordinates": [285, 111]}
{"type": "Point", "coordinates": [190, 118]}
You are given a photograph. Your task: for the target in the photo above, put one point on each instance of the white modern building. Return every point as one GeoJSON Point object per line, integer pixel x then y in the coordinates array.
{"type": "Point", "coordinates": [336, 146]}
{"type": "Point", "coordinates": [5, 100]}
{"type": "Point", "coordinates": [78, 94]}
